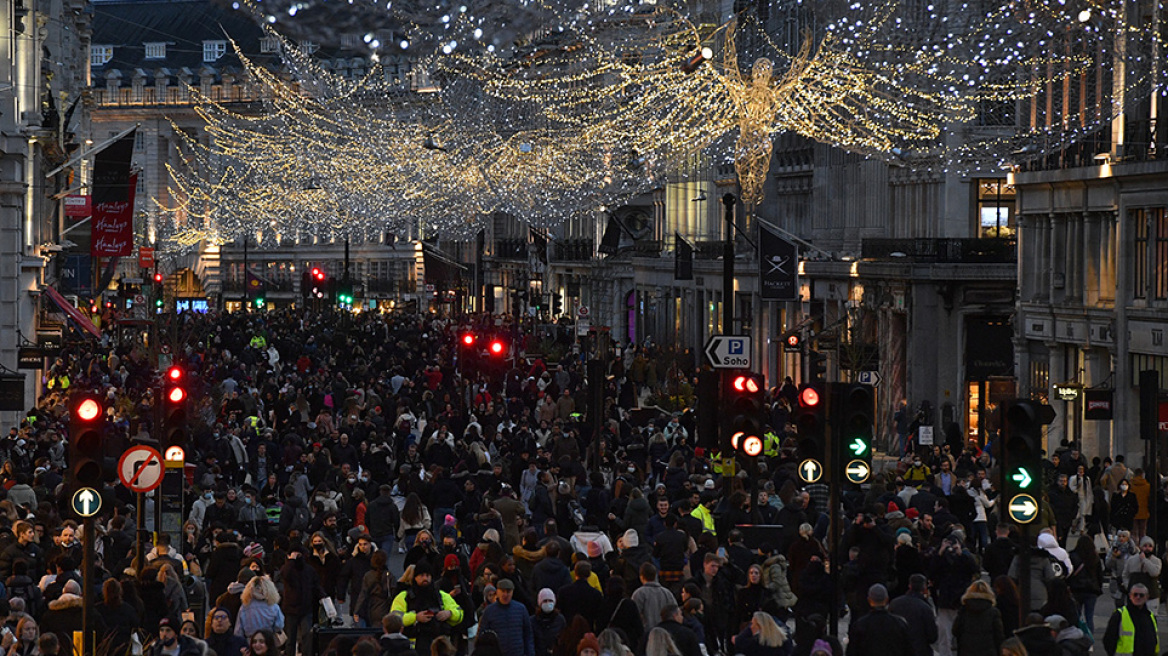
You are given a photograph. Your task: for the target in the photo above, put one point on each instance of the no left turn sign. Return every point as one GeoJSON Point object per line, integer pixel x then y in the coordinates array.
{"type": "Point", "coordinates": [140, 469]}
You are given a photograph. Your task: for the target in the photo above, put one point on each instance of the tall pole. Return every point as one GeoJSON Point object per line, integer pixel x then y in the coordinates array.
{"type": "Point", "coordinates": [246, 270]}
{"type": "Point", "coordinates": [86, 585]}
{"type": "Point", "coordinates": [728, 267]}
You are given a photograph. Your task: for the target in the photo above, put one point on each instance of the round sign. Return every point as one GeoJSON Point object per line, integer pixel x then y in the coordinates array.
{"type": "Point", "coordinates": [140, 468]}
{"type": "Point", "coordinates": [139, 299]}
{"type": "Point", "coordinates": [857, 471]}
{"type": "Point", "coordinates": [1023, 508]}
{"type": "Point", "coordinates": [175, 454]}
{"type": "Point", "coordinates": [86, 502]}
{"type": "Point", "coordinates": [810, 470]}
{"type": "Point", "coordinates": [582, 311]}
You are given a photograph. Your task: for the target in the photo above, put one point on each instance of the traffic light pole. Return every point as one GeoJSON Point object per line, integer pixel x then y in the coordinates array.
{"type": "Point", "coordinates": [728, 267]}
{"type": "Point", "coordinates": [86, 584]}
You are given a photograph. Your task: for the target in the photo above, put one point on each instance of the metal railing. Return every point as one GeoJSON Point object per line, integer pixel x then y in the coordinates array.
{"type": "Point", "coordinates": [989, 251]}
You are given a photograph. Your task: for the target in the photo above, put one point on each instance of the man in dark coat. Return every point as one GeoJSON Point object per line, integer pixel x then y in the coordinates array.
{"type": "Point", "coordinates": [579, 597]}
{"type": "Point", "coordinates": [381, 519]}
{"type": "Point", "coordinates": [879, 632]}
{"type": "Point", "coordinates": [302, 592]}
{"type": "Point", "coordinates": [551, 572]}
{"type": "Point", "coordinates": [685, 639]}
{"type": "Point", "coordinates": [1000, 553]}
{"type": "Point", "coordinates": [914, 608]}
{"type": "Point", "coordinates": [1065, 504]}
{"type": "Point", "coordinates": [353, 571]}
{"type": "Point", "coordinates": [223, 565]}
{"type": "Point", "coordinates": [1143, 640]}
{"type": "Point", "coordinates": [717, 591]}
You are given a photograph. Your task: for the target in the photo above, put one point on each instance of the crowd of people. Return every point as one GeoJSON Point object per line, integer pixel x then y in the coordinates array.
{"type": "Point", "coordinates": [365, 484]}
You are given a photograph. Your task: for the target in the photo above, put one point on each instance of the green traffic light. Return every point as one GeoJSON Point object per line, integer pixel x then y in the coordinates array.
{"type": "Point", "coordinates": [858, 446]}
{"type": "Point", "coordinates": [259, 302]}
{"type": "Point", "coordinates": [1022, 478]}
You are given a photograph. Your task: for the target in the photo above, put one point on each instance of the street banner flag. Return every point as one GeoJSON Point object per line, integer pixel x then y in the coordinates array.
{"type": "Point", "coordinates": [610, 242]}
{"type": "Point", "coordinates": [682, 259]}
{"type": "Point", "coordinates": [112, 226]}
{"type": "Point", "coordinates": [256, 283]}
{"type": "Point", "coordinates": [539, 244]}
{"type": "Point", "coordinates": [778, 267]}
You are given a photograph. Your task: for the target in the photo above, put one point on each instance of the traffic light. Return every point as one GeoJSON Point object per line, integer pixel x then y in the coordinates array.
{"type": "Point", "coordinates": [497, 347]}
{"type": "Point", "coordinates": [557, 304]}
{"type": "Point", "coordinates": [317, 279]}
{"type": "Point", "coordinates": [816, 366]}
{"type": "Point", "coordinates": [853, 424]}
{"type": "Point", "coordinates": [748, 409]}
{"type": "Point", "coordinates": [1023, 457]}
{"type": "Point", "coordinates": [86, 441]}
{"type": "Point", "coordinates": [707, 420]}
{"type": "Point", "coordinates": [345, 294]}
{"type": "Point", "coordinates": [468, 340]}
{"type": "Point", "coordinates": [810, 418]}
{"type": "Point", "coordinates": [158, 277]}
{"type": "Point", "coordinates": [175, 403]}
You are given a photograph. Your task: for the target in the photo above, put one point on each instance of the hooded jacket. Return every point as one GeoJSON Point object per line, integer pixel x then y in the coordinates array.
{"type": "Point", "coordinates": [978, 629]}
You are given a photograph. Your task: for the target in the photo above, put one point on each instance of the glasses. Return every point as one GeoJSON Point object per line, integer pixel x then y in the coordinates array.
{"type": "Point", "coordinates": [1138, 595]}
{"type": "Point", "coordinates": [220, 617]}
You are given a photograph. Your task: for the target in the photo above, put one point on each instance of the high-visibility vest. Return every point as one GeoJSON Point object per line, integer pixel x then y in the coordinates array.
{"type": "Point", "coordinates": [716, 462]}
{"type": "Point", "coordinates": [707, 519]}
{"type": "Point", "coordinates": [770, 446]}
{"type": "Point", "coordinates": [1127, 633]}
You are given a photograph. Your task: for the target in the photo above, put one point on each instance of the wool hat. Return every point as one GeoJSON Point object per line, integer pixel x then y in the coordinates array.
{"type": "Point", "coordinates": [892, 507]}
{"type": "Point", "coordinates": [631, 538]}
{"type": "Point", "coordinates": [1145, 541]}
{"type": "Point", "coordinates": [589, 641]}
{"type": "Point", "coordinates": [546, 595]}
{"type": "Point", "coordinates": [423, 567]}
{"type": "Point", "coordinates": [912, 513]}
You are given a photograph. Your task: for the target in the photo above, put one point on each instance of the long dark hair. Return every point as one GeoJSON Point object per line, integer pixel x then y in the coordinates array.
{"type": "Point", "coordinates": [1085, 551]}
{"type": "Point", "coordinates": [412, 511]}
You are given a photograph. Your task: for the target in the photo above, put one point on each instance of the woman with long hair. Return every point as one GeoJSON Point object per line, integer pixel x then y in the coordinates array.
{"type": "Point", "coordinates": [749, 597]}
{"type": "Point", "coordinates": [262, 643]}
{"type": "Point", "coordinates": [1086, 580]}
{"type": "Point", "coordinates": [1008, 602]}
{"type": "Point", "coordinates": [414, 517]}
{"type": "Point", "coordinates": [259, 608]}
{"type": "Point", "coordinates": [978, 629]}
{"type": "Point", "coordinates": [660, 643]}
{"type": "Point", "coordinates": [120, 617]}
{"type": "Point", "coordinates": [27, 635]}
{"type": "Point", "coordinates": [176, 598]}
{"type": "Point", "coordinates": [764, 637]}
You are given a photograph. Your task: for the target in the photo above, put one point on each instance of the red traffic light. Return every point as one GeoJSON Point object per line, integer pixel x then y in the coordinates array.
{"type": "Point", "coordinates": [746, 384]}
{"type": "Point", "coordinates": [88, 410]}
{"type": "Point", "coordinates": [158, 277]}
{"type": "Point", "coordinates": [317, 274]}
{"type": "Point", "coordinates": [176, 395]}
{"type": "Point", "coordinates": [174, 374]}
{"type": "Point", "coordinates": [496, 347]}
{"type": "Point", "coordinates": [809, 397]}
{"type": "Point", "coordinates": [468, 339]}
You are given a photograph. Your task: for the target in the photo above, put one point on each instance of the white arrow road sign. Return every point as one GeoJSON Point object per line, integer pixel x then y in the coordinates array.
{"type": "Point", "coordinates": [86, 502]}
{"type": "Point", "coordinates": [729, 352]}
{"type": "Point", "coordinates": [857, 471]}
{"type": "Point", "coordinates": [810, 470]}
{"type": "Point", "coordinates": [1023, 508]}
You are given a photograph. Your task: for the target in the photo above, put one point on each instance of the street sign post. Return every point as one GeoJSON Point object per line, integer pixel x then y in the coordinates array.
{"type": "Point", "coordinates": [86, 502]}
{"type": "Point", "coordinates": [140, 469]}
{"type": "Point", "coordinates": [729, 352]}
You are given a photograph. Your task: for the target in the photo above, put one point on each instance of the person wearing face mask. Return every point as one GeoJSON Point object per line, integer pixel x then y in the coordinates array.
{"type": "Point", "coordinates": [1124, 506]}
{"type": "Point", "coordinates": [353, 571]}
{"type": "Point", "coordinates": [252, 520]}
{"type": "Point", "coordinates": [424, 548]}
{"type": "Point", "coordinates": [918, 473]}
{"type": "Point", "coordinates": [547, 624]}
{"type": "Point", "coordinates": [324, 559]}
{"type": "Point", "coordinates": [199, 508]}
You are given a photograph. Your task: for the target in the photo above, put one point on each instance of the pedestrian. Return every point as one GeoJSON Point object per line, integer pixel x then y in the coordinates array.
{"type": "Point", "coordinates": [426, 611]}
{"type": "Point", "coordinates": [651, 597]}
{"type": "Point", "coordinates": [762, 637]}
{"type": "Point", "coordinates": [509, 621]}
{"type": "Point", "coordinates": [547, 623]}
{"type": "Point", "coordinates": [916, 610]}
{"type": "Point", "coordinates": [879, 632]}
{"type": "Point", "coordinates": [259, 608]}
{"type": "Point", "coordinates": [978, 629]}
{"type": "Point", "coordinates": [1132, 628]}
{"type": "Point", "coordinates": [377, 592]}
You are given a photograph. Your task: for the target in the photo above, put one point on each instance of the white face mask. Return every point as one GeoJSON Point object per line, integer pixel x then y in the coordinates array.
{"type": "Point", "coordinates": [548, 606]}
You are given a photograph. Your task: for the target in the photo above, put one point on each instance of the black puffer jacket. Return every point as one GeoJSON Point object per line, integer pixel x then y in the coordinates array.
{"type": "Point", "coordinates": [978, 629]}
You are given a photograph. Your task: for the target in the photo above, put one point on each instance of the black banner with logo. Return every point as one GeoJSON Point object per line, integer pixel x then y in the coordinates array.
{"type": "Point", "coordinates": [1098, 404]}
{"type": "Point", "coordinates": [778, 267]}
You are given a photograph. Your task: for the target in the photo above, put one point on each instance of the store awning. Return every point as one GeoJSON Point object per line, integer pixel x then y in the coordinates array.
{"type": "Point", "coordinates": [73, 313]}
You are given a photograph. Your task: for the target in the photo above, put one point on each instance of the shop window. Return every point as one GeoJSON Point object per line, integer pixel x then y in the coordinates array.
{"type": "Point", "coordinates": [1159, 217]}
{"type": "Point", "coordinates": [995, 208]}
{"type": "Point", "coordinates": [1139, 221]}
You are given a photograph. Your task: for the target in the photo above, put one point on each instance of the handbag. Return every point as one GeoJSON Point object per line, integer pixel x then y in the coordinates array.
{"type": "Point", "coordinates": [281, 638]}
{"type": "Point", "coordinates": [1100, 542]}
